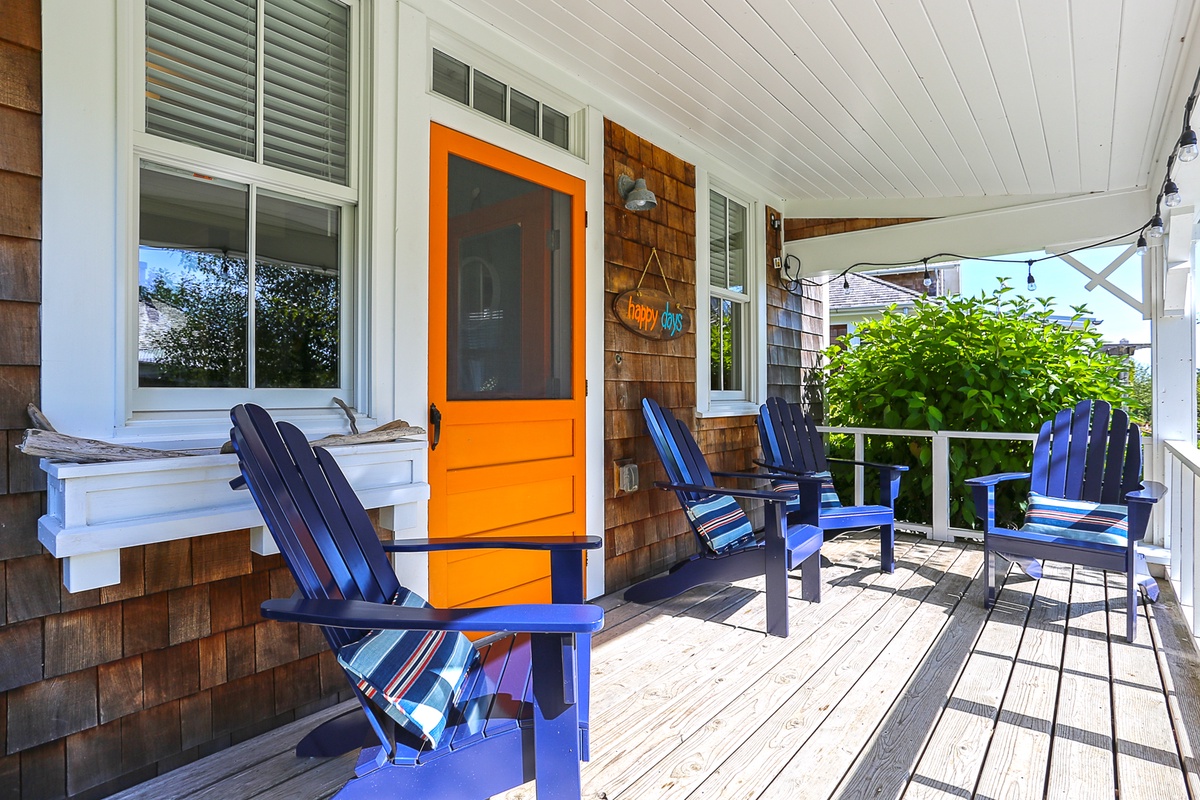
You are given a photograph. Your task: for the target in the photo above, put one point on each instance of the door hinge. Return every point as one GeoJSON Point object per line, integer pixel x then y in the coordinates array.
{"type": "Point", "coordinates": [585, 219]}
{"type": "Point", "coordinates": [585, 388]}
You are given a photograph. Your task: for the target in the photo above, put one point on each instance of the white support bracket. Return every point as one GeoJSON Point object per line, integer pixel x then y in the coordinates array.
{"type": "Point", "coordinates": [1101, 279]}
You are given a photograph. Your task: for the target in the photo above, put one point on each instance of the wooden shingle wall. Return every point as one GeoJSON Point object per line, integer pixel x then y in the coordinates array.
{"type": "Point", "coordinates": [103, 689]}
{"type": "Point", "coordinates": [794, 333]}
{"type": "Point", "coordinates": [646, 532]}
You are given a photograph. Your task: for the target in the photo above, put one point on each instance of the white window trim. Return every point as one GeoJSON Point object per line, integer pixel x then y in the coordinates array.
{"type": "Point", "coordinates": [709, 403]}
{"type": "Point", "coordinates": [94, 82]}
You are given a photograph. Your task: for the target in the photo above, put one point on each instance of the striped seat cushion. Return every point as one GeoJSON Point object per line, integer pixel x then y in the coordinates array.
{"type": "Point", "coordinates": [1077, 519]}
{"type": "Point", "coordinates": [413, 676]}
{"type": "Point", "coordinates": [829, 495]}
{"type": "Point", "coordinates": [720, 522]}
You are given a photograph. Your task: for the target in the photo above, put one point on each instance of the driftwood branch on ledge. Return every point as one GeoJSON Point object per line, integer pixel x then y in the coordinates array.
{"type": "Point", "coordinates": [51, 444]}
{"type": "Point", "coordinates": [388, 432]}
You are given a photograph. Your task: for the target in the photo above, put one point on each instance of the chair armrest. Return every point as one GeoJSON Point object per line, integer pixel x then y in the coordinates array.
{"type": "Point", "coordinates": [999, 477]}
{"type": "Point", "coordinates": [359, 614]}
{"type": "Point", "coordinates": [552, 543]}
{"type": "Point", "coordinates": [770, 497]}
{"type": "Point", "coordinates": [871, 464]}
{"type": "Point", "coordinates": [786, 473]}
{"type": "Point", "coordinates": [1151, 492]}
{"type": "Point", "coordinates": [238, 483]}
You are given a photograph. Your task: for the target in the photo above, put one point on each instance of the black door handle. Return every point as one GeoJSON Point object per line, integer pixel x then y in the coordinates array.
{"type": "Point", "coordinates": [435, 419]}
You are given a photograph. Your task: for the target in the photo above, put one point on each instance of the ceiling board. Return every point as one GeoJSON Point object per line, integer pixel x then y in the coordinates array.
{"type": "Point", "coordinates": [880, 101]}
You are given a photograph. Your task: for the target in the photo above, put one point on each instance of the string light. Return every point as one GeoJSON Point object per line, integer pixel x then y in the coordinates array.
{"type": "Point", "coordinates": [928, 281]}
{"type": "Point", "coordinates": [1171, 197]}
{"type": "Point", "coordinates": [1187, 146]}
{"type": "Point", "coordinates": [1029, 281]}
{"type": "Point", "coordinates": [1156, 229]}
{"type": "Point", "coordinates": [1141, 246]}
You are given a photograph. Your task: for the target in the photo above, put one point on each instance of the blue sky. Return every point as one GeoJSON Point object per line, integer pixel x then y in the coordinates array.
{"type": "Point", "coordinates": [1066, 285]}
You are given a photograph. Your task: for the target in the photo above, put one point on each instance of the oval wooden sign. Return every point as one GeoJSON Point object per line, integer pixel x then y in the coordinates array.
{"type": "Point", "coordinates": [651, 313]}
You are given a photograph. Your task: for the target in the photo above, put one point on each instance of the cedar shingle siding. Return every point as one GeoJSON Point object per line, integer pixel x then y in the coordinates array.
{"type": "Point", "coordinates": [103, 689]}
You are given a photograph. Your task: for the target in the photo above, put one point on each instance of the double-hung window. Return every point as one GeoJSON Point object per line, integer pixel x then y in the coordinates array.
{"type": "Point", "coordinates": [246, 204]}
{"type": "Point", "coordinates": [729, 298]}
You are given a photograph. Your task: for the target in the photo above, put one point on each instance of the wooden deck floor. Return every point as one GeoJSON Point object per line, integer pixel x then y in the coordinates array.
{"type": "Point", "coordinates": [894, 686]}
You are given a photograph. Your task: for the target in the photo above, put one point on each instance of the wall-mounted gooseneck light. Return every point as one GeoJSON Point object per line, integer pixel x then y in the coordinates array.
{"type": "Point", "coordinates": [635, 194]}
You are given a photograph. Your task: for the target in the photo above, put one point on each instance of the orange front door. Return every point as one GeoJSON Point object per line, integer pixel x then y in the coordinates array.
{"type": "Point", "coordinates": [505, 366]}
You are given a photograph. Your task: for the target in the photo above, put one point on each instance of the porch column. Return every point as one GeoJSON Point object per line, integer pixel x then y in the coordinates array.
{"type": "Point", "coordinates": [1167, 273]}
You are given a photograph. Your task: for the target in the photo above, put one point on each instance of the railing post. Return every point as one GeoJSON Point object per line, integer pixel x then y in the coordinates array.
{"type": "Point", "coordinates": [859, 455]}
{"type": "Point", "coordinates": [941, 489]}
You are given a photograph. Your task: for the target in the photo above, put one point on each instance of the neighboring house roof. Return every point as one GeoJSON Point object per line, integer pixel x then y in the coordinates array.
{"type": "Point", "coordinates": [867, 291]}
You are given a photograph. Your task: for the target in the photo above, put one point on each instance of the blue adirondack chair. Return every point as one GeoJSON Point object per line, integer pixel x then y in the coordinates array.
{"type": "Point", "coordinates": [792, 445]}
{"type": "Point", "coordinates": [728, 549]}
{"type": "Point", "coordinates": [449, 720]}
{"type": "Point", "coordinates": [1087, 502]}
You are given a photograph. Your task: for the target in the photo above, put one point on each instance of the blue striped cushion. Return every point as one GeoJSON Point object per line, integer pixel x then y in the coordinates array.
{"type": "Point", "coordinates": [1077, 519]}
{"type": "Point", "coordinates": [720, 522]}
{"type": "Point", "coordinates": [829, 495]}
{"type": "Point", "coordinates": [413, 676]}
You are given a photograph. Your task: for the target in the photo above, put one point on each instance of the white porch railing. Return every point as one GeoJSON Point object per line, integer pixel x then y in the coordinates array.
{"type": "Point", "coordinates": [942, 530]}
{"type": "Point", "coordinates": [939, 465]}
{"type": "Point", "coordinates": [1181, 467]}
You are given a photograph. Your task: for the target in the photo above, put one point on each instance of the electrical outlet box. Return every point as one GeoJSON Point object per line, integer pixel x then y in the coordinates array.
{"type": "Point", "coordinates": [625, 476]}
{"type": "Point", "coordinates": [777, 262]}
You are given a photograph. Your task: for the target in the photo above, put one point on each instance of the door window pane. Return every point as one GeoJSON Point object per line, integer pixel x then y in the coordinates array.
{"type": "Point", "coordinates": [192, 280]}
{"type": "Point", "coordinates": [508, 305]}
{"type": "Point", "coordinates": [297, 290]}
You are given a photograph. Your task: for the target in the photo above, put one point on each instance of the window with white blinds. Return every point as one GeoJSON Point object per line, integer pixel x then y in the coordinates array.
{"type": "Point", "coordinates": [203, 70]}
{"type": "Point", "coordinates": [729, 301]}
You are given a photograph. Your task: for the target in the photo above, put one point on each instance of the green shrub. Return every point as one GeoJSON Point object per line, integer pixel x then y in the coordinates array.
{"type": "Point", "coordinates": [983, 363]}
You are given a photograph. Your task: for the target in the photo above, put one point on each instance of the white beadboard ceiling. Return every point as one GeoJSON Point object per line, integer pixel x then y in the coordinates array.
{"type": "Point", "coordinates": [858, 101]}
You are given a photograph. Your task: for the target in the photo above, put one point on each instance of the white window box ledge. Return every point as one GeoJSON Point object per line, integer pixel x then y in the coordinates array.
{"type": "Point", "coordinates": [94, 510]}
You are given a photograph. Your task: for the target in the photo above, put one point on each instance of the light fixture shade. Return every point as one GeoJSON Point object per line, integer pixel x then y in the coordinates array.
{"type": "Point", "coordinates": [1156, 227]}
{"type": "Point", "coordinates": [635, 194]}
{"type": "Point", "coordinates": [1171, 196]}
{"type": "Point", "coordinates": [1141, 246]}
{"type": "Point", "coordinates": [1188, 150]}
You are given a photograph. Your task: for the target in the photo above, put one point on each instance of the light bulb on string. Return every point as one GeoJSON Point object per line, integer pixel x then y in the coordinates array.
{"type": "Point", "coordinates": [1141, 246]}
{"type": "Point", "coordinates": [845, 281]}
{"type": "Point", "coordinates": [1171, 196]}
{"type": "Point", "coordinates": [928, 281]}
{"type": "Point", "coordinates": [1156, 227]}
{"type": "Point", "coordinates": [1188, 149]}
{"type": "Point", "coordinates": [1029, 280]}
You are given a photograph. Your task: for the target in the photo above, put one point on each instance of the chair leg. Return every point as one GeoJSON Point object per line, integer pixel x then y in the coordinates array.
{"type": "Point", "coordinates": [989, 577]}
{"type": "Point", "coordinates": [810, 578]}
{"type": "Point", "coordinates": [1131, 605]}
{"type": "Point", "coordinates": [887, 548]}
{"type": "Point", "coordinates": [555, 717]}
{"type": "Point", "coordinates": [1146, 580]}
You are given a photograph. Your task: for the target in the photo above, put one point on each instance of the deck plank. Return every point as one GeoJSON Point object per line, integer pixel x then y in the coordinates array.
{"type": "Point", "coordinates": [691, 720]}
{"type": "Point", "coordinates": [1081, 751]}
{"type": "Point", "coordinates": [843, 735]}
{"type": "Point", "coordinates": [1148, 764]}
{"type": "Point", "coordinates": [1179, 665]}
{"type": "Point", "coordinates": [754, 733]}
{"type": "Point", "coordinates": [953, 756]}
{"type": "Point", "coordinates": [1019, 752]}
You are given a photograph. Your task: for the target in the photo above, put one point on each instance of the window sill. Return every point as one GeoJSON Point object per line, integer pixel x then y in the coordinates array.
{"type": "Point", "coordinates": [95, 510]}
{"type": "Point", "coordinates": [741, 408]}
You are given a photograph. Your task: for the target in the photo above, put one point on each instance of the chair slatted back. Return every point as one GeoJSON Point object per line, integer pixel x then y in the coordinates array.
{"type": "Point", "coordinates": [1091, 452]}
{"type": "Point", "coordinates": [321, 527]}
{"type": "Point", "coordinates": [677, 449]}
{"type": "Point", "coordinates": [790, 438]}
